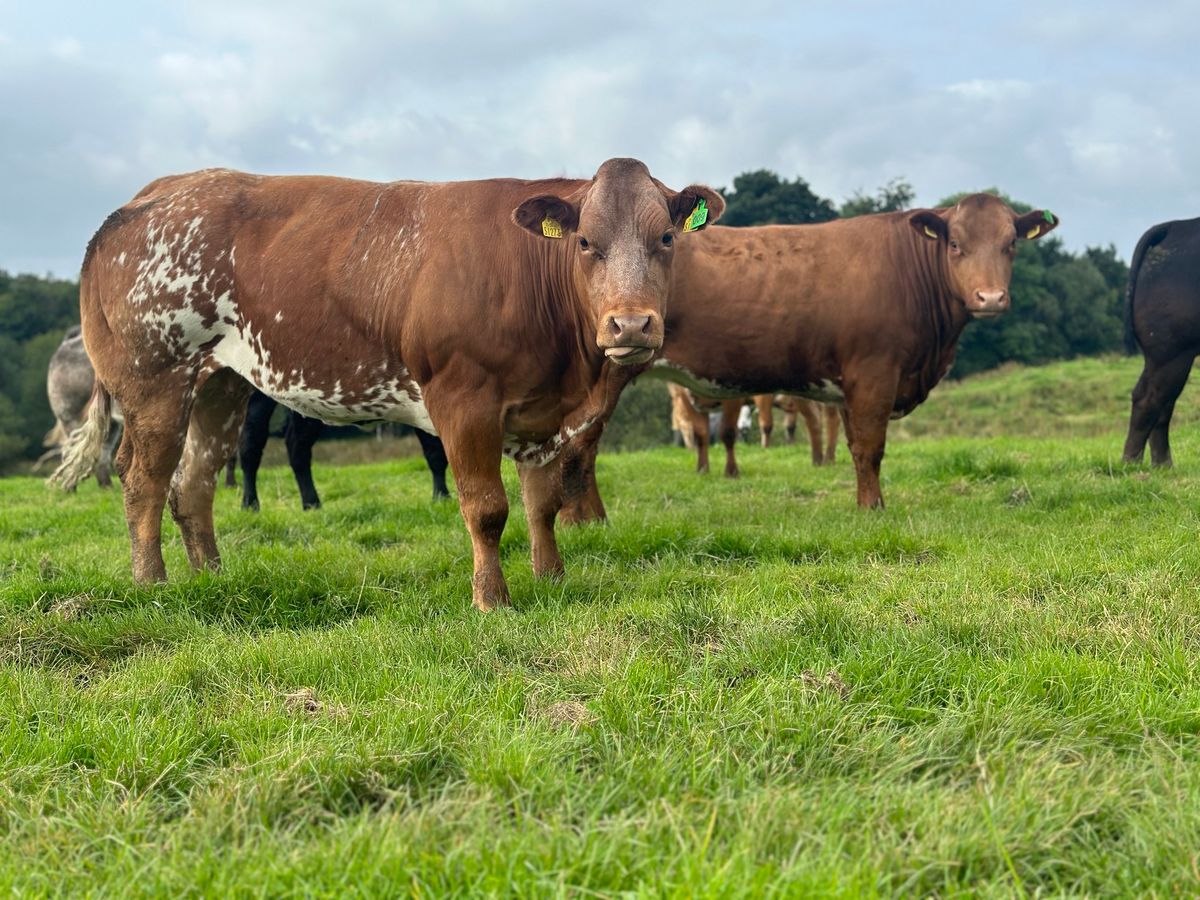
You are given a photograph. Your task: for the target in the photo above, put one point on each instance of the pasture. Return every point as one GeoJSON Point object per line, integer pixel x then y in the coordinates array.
{"type": "Point", "coordinates": [740, 688]}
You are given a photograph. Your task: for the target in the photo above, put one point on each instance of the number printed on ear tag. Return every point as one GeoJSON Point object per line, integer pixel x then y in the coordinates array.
{"type": "Point", "coordinates": [696, 217]}
{"type": "Point", "coordinates": [551, 228]}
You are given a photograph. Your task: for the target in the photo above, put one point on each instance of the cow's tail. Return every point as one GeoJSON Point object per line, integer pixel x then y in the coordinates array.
{"type": "Point", "coordinates": [1150, 239]}
{"type": "Point", "coordinates": [86, 444]}
{"type": "Point", "coordinates": [56, 436]}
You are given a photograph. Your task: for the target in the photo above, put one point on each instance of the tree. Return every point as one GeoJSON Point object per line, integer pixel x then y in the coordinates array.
{"type": "Point", "coordinates": [763, 198]}
{"type": "Point", "coordinates": [896, 195]}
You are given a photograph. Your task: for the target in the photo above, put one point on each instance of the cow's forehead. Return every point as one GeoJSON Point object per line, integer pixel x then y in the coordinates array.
{"type": "Point", "coordinates": [982, 216]}
{"type": "Point", "coordinates": [621, 191]}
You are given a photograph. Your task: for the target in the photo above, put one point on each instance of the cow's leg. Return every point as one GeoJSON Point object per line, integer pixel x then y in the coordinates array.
{"type": "Point", "coordinates": [155, 426]}
{"type": "Point", "coordinates": [471, 430]}
{"type": "Point", "coordinates": [299, 435]}
{"type": "Point", "coordinates": [766, 417]}
{"type": "Point", "coordinates": [812, 424]}
{"type": "Point", "coordinates": [581, 494]}
{"type": "Point", "coordinates": [212, 433]}
{"type": "Point", "coordinates": [790, 425]}
{"type": "Point", "coordinates": [435, 458]}
{"type": "Point", "coordinates": [700, 434]}
{"type": "Point", "coordinates": [869, 403]}
{"type": "Point", "coordinates": [251, 443]}
{"type": "Point", "coordinates": [1154, 399]}
{"type": "Point", "coordinates": [730, 410]}
{"type": "Point", "coordinates": [230, 466]}
{"type": "Point", "coordinates": [832, 418]}
{"type": "Point", "coordinates": [541, 489]}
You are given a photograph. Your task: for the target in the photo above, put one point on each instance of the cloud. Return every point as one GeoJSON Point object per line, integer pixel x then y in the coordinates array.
{"type": "Point", "coordinates": [1052, 113]}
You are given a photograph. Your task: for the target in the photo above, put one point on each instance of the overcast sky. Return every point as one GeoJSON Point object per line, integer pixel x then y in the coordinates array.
{"type": "Point", "coordinates": [1090, 109]}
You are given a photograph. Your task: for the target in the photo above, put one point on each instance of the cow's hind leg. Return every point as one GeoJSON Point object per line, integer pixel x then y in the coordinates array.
{"type": "Point", "coordinates": [1153, 405]}
{"type": "Point", "coordinates": [251, 443]}
{"type": "Point", "coordinates": [435, 457]}
{"type": "Point", "coordinates": [812, 423]}
{"type": "Point", "coordinates": [299, 435]}
{"type": "Point", "coordinates": [766, 417]}
{"type": "Point", "coordinates": [730, 409]}
{"type": "Point", "coordinates": [832, 421]}
{"type": "Point", "coordinates": [212, 434]}
{"type": "Point", "coordinates": [155, 426]}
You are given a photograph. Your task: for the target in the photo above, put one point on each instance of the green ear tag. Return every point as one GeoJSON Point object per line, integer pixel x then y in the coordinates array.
{"type": "Point", "coordinates": [1033, 232]}
{"type": "Point", "coordinates": [696, 217]}
{"type": "Point", "coordinates": [1048, 216]}
{"type": "Point", "coordinates": [929, 232]}
{"type": "Point", "coordinates": [551, 228]}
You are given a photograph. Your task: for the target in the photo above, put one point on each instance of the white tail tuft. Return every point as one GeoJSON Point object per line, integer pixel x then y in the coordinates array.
{"type": "Point", "coordinates": [82, 451]}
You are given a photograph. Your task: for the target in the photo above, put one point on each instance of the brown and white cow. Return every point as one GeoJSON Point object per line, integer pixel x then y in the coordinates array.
{"type": "Point", "coordinates": [350, 301]}
{"type": "Point", "coordinates": [864, 313]}
{"type": "Point", "coordinates": [821, 421]}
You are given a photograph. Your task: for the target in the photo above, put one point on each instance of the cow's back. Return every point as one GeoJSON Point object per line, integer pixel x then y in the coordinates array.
{"type": "Point", "coordinates": [1164, 294]}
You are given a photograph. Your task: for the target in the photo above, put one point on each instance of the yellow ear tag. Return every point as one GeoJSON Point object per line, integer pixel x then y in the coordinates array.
{"type": "Point", "coordinates": [551, 228]}
{"type": "Point", "coordinates": [929, 232]}
{"type": "Point", "coordinates": [1033, 232]}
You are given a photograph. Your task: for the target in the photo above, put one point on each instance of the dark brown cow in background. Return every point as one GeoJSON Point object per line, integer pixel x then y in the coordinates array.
{"type": "Point", "coordinates": [864, 313]}
{"type": "Point", "coordinates": [351, 301]}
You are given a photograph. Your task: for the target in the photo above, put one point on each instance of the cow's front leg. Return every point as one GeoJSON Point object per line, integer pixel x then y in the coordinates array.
{"type": "Point", "coordinates": [472, 433]}
{"type": "Point", "coordinates": [869, 403]}
{"type": "Point", "coordinates": [542, 490]}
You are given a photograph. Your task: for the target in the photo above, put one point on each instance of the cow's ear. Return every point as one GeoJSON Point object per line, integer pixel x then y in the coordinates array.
{"type": "Point", "coordinates": [547, 216]}
{"type": "Point", "coordinates": [1034, 224]}
{"type": "Point", "coordinates": [929, 225]}
{"type": "Point", "coordinates": [695, 207]}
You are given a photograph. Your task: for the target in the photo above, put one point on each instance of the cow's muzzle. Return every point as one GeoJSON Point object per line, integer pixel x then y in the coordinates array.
{"type": "Point", "coordinates": [988, 304]}
{"type": "Point", "coordinates": [630, 338]}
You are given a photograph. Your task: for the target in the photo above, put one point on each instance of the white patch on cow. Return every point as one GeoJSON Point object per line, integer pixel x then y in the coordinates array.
{"type": "Point", "coordinates": [279, 316]}
{"type": "Point", "coordinates": [538, 453]}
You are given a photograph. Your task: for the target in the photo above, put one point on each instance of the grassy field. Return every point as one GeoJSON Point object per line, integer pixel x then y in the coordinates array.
{"type": "Point", "coordinates": [741, 688]}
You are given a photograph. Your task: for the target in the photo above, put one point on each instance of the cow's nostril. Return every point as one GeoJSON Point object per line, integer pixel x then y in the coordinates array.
{"type": "Point", "coordinates": [615, 325]}
{"type": "Point", "coordinates": [646, 326]}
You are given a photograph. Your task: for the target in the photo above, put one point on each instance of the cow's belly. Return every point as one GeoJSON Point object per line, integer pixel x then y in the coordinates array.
{"type": "Point", "coordinates": [827, 390]}
{"type": "Point", "coordinates": [373, 390]}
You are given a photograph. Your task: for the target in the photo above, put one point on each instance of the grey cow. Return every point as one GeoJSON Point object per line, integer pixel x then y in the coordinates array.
{"type": "Point", "coordinates": [69, 386]}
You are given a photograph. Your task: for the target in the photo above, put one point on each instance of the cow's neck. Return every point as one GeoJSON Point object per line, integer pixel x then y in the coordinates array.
{"type": "Point", "coordinates": [562, 318]}
{"type": "Point", "coordinates": [936, 313]}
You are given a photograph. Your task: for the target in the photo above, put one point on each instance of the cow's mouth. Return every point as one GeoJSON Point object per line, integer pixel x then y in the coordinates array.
{"type": "Point", "coordinates": [987, 313]}
{"type": "Point", "coordinates": [629, 356]}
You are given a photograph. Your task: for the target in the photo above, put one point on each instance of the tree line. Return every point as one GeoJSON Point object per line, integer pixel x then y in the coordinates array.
{"type": "Point", "coordinates": [1065, 305]}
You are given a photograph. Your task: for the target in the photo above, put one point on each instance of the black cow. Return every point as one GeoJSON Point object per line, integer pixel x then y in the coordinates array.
{"type": "Point", "coordinates": [1162, 319]}
{"type": "Point", "coordinates": [299, 434]}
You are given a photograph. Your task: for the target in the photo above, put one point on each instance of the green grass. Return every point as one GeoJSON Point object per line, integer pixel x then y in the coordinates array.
{"type": "Point", "coordinates": [741, 688]}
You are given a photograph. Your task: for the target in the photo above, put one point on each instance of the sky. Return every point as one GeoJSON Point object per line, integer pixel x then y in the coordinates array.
{"type": "Point", "coordinates": [1089, 109]}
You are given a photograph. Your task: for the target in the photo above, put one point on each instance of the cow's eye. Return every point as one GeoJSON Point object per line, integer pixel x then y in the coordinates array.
{"type": "Point", "coordinates": [668, 239]}
{"type": "Point", "coordinates": [954, 245]}
{"type": "Point", "coordinates": [583, 243]}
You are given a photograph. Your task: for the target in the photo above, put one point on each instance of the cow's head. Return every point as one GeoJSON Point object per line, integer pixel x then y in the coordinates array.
{"type": "Point", "coordinates": [622, 227]}
{"type": "Point", "coordinates": [979, 238]}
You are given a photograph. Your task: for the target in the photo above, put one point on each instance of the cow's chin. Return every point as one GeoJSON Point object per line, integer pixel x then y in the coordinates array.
{"type": "Point", "coordinates": [986, 313]}
{"type": "Point", "coordinates": [629, 356]}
